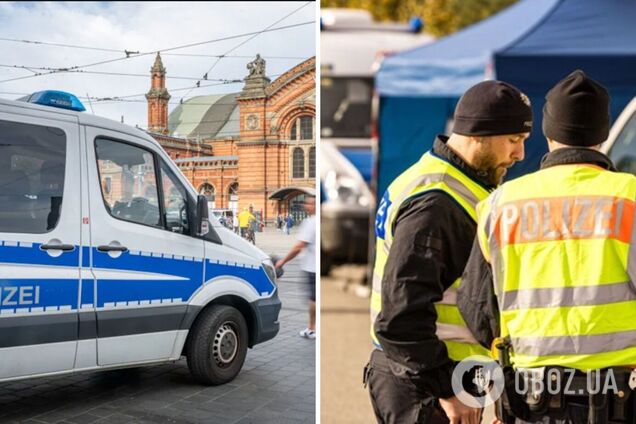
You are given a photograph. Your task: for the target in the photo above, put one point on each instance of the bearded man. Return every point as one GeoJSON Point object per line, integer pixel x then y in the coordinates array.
{"type": "Point", "coordinates": [425, 227]}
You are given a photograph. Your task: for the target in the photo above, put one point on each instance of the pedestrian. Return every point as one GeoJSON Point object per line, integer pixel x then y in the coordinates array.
{"type": "Point", "coordinates": [235, 223]}
{"type": "Point", "coordinates": [307, 244]}
{"type": "Point", "coordinates": [244, 220]}
{"type": "Point", "coordinates": [279, 222]}
{"type": "Point", "coordinates": [253, 226]}
{"type": "Point", "coordinates": [289, 222]}
{"type": "Point", "coordinates": [552, 267]}
{"type": "Point", "coordinates": [425, 226]}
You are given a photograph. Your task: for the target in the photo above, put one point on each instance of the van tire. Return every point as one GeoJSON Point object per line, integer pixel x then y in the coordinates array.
{"type": "Point", "coordinates": [217, 345]}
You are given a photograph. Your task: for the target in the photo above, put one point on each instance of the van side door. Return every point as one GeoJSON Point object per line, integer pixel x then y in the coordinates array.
{"type": "Point", "coordinates": [145, 262]}
{"type": "Point", "coordinates": [40, 242]}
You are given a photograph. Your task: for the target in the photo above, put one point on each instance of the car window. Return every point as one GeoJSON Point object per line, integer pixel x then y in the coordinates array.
{"type": "Point", "coordinates": [175, 200]}
{"type": "Point", "coordinates": [128, 181]}
{"type": "Point", "coordinates": [623, 151]}
{"type": "Point", "coordinates": [32, 166]}
{"type": "Point", "coordinates": [345, 107]}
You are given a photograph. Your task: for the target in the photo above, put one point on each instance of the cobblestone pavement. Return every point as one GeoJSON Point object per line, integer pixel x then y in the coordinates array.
{"type": "Point", "coordinates": [276, 385]}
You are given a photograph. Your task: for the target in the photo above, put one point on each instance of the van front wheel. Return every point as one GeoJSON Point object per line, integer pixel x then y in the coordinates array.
{"type": "Point", "coordinates": [217, 345]}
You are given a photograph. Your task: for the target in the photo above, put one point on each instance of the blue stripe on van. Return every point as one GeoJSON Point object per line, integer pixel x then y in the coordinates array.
{"type": "Point", "coordinates": [62, 292]}
{"type": "Point", "coordinates": [255, 276]}
{"type": "Point", "coordinates": [58, 293]}
{"type": "Point", "coordinates": [88, 292]}
{"type": "Point", "coordinates": [86, 257]}
{"type": "Point", "coordinates": [30, 253]}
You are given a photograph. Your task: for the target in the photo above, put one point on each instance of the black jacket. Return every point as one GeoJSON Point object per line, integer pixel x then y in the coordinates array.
{"type": "Point", "coordinates": [433, 236]}
{"type": "Point", "coordinates": [476, 296]}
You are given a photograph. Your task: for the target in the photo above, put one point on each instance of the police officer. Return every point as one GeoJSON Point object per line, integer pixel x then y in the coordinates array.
{"type": "Point", "coordinates": [553, 266]}
{"type": "Point", "coordinates": [425, 227]}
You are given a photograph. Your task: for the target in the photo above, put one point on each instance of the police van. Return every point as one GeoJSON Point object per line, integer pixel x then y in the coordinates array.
{"type": "Point", "coordinates": [107, 256]}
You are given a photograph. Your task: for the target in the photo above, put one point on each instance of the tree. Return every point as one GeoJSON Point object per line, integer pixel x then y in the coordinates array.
{"type": "Point", "coordinates": [382, 10]}
{"type": "Point", "coordinates": [441, 17]}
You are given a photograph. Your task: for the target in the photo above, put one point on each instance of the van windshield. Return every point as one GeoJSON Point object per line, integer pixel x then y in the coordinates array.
{"type": "Point", "coordinates": [346, 107]}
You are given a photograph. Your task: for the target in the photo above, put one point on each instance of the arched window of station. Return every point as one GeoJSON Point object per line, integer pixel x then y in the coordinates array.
{"type": "Point", "coordinates": [312, 162]}
{"type": "Point", "coordinates": [302, 128]}
{"type": "Point", "coordinates": [232, 195]}
{"type": "Point", "coordinates": [209, 192]}
{"type": "Point", "coordinates": [298, 163]}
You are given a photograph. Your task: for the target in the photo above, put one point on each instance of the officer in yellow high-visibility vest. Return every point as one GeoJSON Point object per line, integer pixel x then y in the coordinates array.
{"type": "Point", "coordinates": [553, 268]}
{"type": "Point", "coordinates": [425, 226]}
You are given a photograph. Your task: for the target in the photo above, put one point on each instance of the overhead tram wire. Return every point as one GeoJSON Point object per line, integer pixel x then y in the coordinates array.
{"type": "Point", "coordinates": [228, 82]}
{"type": "Point", "coordinates": [66, 69]}
{"type": "Point", "coordinates": [124, 74]}
{"type": "Point", "coordinates": [129, 52]}
{"type": "Point", "coordinates": [129, 99]}
{"type": "Point", "coordinates": [267, 29]}
{"type": "Point", "coordinates": [45, 43]}
{"type": "Point", "coordinates": [236, 56]}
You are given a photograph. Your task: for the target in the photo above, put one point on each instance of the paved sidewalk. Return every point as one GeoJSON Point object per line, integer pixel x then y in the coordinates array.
{"type": "Point", "coordinates": [346, 348]}
{"type": "Point", "coordinates": [276, 385]}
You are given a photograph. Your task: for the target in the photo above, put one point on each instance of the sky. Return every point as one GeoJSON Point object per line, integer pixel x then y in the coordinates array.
{"type": "Point", "coordinates": [146, 27]}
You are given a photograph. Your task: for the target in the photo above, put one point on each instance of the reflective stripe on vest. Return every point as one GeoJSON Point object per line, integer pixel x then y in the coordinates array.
{"type": "Point", "coordinates": [559, 243]}
{"type": "Point", "coordinates": [430, 173]}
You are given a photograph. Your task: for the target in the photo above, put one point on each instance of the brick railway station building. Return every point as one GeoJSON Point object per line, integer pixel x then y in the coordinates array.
{"type": "Point", "coordinates": [252, 148]}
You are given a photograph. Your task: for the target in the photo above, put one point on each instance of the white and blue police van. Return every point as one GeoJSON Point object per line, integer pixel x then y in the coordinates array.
{"type": "Point", "coordinates": [107, 256]}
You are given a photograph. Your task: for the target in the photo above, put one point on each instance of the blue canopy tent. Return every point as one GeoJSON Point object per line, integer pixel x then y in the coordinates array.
{"type": "Point", "coordinates": [532, 44]}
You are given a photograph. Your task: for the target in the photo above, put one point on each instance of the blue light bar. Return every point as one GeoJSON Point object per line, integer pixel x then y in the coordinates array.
{"type": "Point", "coordinates": [416, 24]}
{"type": "Point", "coordinates": [55, 98]}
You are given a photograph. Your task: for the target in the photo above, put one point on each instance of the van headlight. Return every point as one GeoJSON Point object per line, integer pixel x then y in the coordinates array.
{"type": "Point", "coordinates": [268, 266]}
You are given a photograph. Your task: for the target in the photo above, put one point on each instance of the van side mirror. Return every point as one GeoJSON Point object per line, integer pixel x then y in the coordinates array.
{"type": "Point", "coordinates": [202, 223]}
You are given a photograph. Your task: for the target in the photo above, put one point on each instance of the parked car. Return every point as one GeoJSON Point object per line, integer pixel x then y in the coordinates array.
{"type": "Point", "coordinates": [621, 143]}
{"type": "Point", "coordinates": [226, 214]}
{"type": "Point", "coordinates": [347, 205]}
{"type": "Point", "coordinates": [108, 257]}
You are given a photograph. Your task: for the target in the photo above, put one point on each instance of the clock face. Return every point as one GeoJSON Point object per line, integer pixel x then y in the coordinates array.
{"type": "Point", "coordinates": [251, 122]}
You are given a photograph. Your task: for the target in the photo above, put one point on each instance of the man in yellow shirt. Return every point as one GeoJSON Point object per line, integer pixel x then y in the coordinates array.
{"type": "Point", "coordinates": [244, 220]}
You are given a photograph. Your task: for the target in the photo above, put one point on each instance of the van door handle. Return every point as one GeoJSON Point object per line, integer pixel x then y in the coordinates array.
{"type": "Point", "coordinates": [62, 247]}
{"type": "Point", "coordinates": [108, 248]}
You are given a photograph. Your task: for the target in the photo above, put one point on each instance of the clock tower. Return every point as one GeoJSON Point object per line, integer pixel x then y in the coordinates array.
{"type": "Point", "coordinates": [158, 99]}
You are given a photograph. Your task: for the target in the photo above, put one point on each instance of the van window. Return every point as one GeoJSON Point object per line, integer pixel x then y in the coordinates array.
{"type": "Point", "coordinates": [175, 202]}
{"type": "Point", "coordinates": [128, 181]}
{"type": "Point", "coordinates": [32, 164]}
{"type": "Point", "coordinates": [623, 152]}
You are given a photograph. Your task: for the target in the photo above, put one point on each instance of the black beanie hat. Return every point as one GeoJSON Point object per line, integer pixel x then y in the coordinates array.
{"type": "Point", "coordinates": [576, 111]}
{"type": "Point", "coordinates": [493, 108]}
